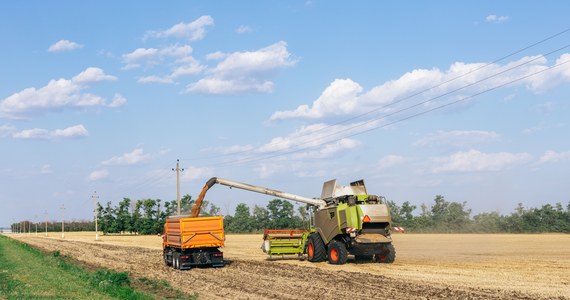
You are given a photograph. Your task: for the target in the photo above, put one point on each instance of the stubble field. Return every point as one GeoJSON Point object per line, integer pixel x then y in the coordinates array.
{"type": "Point", "coordinates": [428, 266]}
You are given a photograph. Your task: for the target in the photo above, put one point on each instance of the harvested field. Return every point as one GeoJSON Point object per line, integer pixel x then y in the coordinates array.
{"type": "Point", "coordinates": [468, 266]}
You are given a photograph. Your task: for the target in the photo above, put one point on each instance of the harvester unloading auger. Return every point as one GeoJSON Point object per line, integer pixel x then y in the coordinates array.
{"type": "Point", "coordinates": [347, 220]}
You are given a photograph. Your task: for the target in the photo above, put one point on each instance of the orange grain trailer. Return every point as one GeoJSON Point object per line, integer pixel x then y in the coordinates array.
{"type": "Point", "coordinates": [188, 242]}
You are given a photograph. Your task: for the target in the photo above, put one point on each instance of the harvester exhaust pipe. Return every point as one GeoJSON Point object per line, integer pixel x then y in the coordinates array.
{"type": "Point", "coordinates": [248, 187]}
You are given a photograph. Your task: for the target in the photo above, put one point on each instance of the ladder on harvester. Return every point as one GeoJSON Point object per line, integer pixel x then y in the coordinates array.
{"type": "Point", "coordinates": [284, 242]}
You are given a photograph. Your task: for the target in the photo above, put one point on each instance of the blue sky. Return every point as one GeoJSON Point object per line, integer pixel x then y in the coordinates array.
{"type": "Point", "coordinates": [411, 96]}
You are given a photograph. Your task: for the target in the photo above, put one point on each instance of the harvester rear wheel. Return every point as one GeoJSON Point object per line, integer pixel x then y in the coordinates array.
{"type": "Point", "coordinates": [337, 253]}
{"type": "Point", "coordinates": [316, 251]}
{"type": "Point", "coordinates": [387, 255]}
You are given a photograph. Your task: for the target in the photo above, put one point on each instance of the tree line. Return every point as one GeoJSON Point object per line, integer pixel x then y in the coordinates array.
{"type": "Point", "coordinates": [444, 216]}
{"type": "Point", "coordinates": [51, 226]}
{"type": "Point", "coordinates": [147, 216]}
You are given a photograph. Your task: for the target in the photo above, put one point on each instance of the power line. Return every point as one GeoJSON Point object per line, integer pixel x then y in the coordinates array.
{"type": "Point", "coordinates": [414, 115]}
{"type": "Point", "coordinates": [252, 158]}
{"type": "Point", "coordinates": [405, 98]}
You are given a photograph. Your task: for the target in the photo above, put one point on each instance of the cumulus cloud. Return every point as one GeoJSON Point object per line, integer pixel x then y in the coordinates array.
{"type": "Point", "coordinates": [346, 97]}
{"type": "Point", "coordinates": [64, 45]}
{"type": "Point", "coordinates": [496, 19]}
{"type": "Point", "coordinates": [73, 132]}
{"type": "Point", "coordinates": [57, 95]}
{"type": "Point", "coordinates": [457, 138]}
{"type": "Point", "coordinates": [554, 157]}
{"type": "Point", "coordinates": [131, 158]}
{"type": "Point", "coordinates": [249, 71]}
{"type": "Point", "coordinates": [193, 31]}
{"type": "Point", "coordinates": [476, 161]}
{"type": "Point", "coordinates": [179, 58]}
{"type": "Point", "coordinates": [118, 100]}
{"type": "Point", "coordinates": [98, 175]}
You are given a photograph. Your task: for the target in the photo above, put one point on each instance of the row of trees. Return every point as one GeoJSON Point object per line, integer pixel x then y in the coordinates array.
{"type": "Point", "coordinates": [147, 216]}
{"type": "Point", "coordinates": [445, 216]}
{"type": "Point", "coordinates": [74, 225]}
{"type": "Point", "coordinates": [279, 214]}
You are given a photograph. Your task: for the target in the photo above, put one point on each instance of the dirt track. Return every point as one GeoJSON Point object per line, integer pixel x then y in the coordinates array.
{"type": "Point", "coordinates": [256, 278]}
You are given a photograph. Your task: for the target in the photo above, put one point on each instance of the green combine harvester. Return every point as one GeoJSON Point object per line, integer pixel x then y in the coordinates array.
{"type": "Point", "coordinates": [346, 220]}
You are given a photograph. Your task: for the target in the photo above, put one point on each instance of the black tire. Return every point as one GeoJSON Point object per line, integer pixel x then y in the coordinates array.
{"type": "Point", "coordinates": [316, 251]}
{"type": "Point", "coordinates": [166, 262]}
{"type": "Point", "coordinates": [176, 261]}
{"type": "Point", "coordinates": [337, 254]}
{"type": "Point", "coordinates": [387, 254]}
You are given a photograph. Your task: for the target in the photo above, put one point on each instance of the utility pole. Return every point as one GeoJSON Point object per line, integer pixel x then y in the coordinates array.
{"type": "Point", "coordinates": [178, 183]}
{"type": "Point", "coordinates": [36, 222]}
{"type": "Point", "coordinates": [62, 221]}
{"type": "Point", "coordinates": [46, 222]}
{"type": "Point", "coordinates": [95, 213]}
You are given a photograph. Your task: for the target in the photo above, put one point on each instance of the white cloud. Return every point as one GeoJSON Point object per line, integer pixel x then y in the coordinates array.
{"type": "Point", "coordinates": [179, 58]}
{"type": "Point", "coordinates": [155, 79]}
{"type": "Point", "coordinates": [77, 131]}
{"type": "Point", "coordinates": [219, 86]}
{"type": "Point", "coordinates": [314, 136]}
{"type": "Point", "coordinates": [64, 45]}
{"type": "Point", "coordinates": [315, 141]}
{"type": "Point", "coordinates": [339, 98]}
{"type": "Point", "coordinates": [346, 97]}
{"type": "Point", "coordinates": [55, 96]}
{"type": "Point", "coordinates": [390, 161]}
{"type": "Point", "coordinates": [476, 161]}
{"type": "Point", "coordinates": [457, 138]}
{"type": "Point", "coordinates": [496, 19]}
{"type": "Point", "coordinates": [242, 72]}
{"type": "Point", "coordinates": [243, 29]}
{"type": "Point", "coordinates": [554, 157]}
{"type": "Point", "coordinates": [328, 150]}
{"type": "Point", "coordinates": [192, 31]}
{"type": "Point", "coordinates": [118, 101]}
{"type": "Point", "coordinates": [216, 55]}
{"type": "Point", "coordinates": [132, 158]}
{"type": "Point", "coordinates": [194, 173]}
{"type": "Point", "coordinates": [139, 57]}
{"type": "Point", "coordinates": [98, 175]}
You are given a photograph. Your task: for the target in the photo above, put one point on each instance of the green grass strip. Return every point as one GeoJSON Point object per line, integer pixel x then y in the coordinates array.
{"type": "Point", "coordinates": [27, 273]}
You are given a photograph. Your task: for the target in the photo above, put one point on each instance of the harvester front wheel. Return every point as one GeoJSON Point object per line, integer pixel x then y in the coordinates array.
{"type": "Point", "coordinates": [337, 253]}
{"type": "Point", "coordinates": [315, 248]}
{"type": "Point", "coordinates": [387, 255]}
